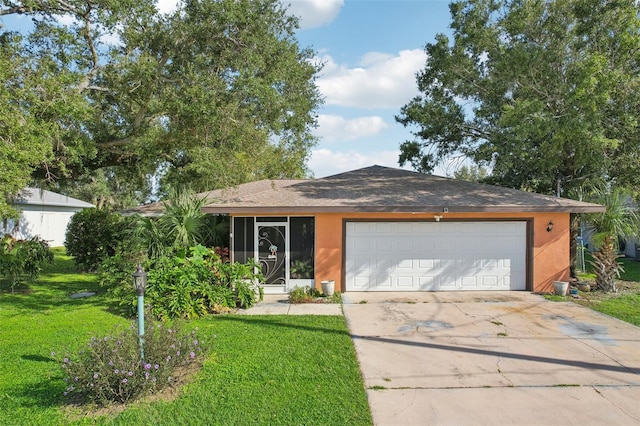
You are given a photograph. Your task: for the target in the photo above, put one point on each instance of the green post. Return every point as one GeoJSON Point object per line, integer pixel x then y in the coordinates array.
{"type": "Point", "coordinates": [141, 324]}
{"type": "Point", "coordinates": [140, 282]}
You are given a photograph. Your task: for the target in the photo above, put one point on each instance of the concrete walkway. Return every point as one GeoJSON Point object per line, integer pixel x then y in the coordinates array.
{"type": "Point", "coordinates": [277, 304]}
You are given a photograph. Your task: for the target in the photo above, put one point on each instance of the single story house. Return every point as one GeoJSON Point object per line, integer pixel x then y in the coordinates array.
{"type": "Point", "coordinates": [44, 214]}
{"type": "Point", "coordinates": [386, 229]}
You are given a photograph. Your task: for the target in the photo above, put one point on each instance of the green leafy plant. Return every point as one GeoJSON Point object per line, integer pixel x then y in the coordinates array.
{"type": "Point", "coordinates": [619, 220]}
{"type": "Point", "coordinates": [304, 294]}
{"type": "Point", "coordinates": [23, 259]}
{"type": "Point", "coordinates": [93, 235]}
{"type": "Point", "coordinates": [110, 369]}
{"type": "Point", "coordinates": [114, 274]}
{"type": "Point", "coordinates": [196, 282]}
{"type": "Point", "coordinates": [301, 269]}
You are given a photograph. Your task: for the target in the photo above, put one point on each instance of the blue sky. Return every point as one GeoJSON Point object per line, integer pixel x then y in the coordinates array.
{"type": "Point", "coordinates": [372, 50]}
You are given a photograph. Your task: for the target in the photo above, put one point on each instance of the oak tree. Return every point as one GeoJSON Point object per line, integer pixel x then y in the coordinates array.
{"type": "Point", "coordinates": [123, 97]}
{"type": "Point", "coordinates": [545, 94]}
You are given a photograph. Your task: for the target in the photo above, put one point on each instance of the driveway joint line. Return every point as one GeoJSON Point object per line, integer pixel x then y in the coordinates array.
{"type": "Point", "coordinates": [557, 386]}
{"type": "Point", "coordinates": [612, 402]}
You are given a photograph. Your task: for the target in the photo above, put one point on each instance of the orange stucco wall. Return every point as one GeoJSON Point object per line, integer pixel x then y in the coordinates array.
{"type": "Point", "coordinates": [548, 251]}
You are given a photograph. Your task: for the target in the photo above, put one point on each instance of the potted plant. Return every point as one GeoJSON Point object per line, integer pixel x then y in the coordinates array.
{"type": "Point", "coordinates": [301, 269]}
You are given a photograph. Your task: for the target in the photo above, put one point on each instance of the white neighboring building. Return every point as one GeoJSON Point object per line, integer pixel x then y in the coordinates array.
{"type": "Point", "coordinates": [43, 213]}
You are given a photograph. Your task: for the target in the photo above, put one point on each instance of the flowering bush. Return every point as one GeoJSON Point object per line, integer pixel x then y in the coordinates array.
{"type": "Point", "coordinates": [110, 369]}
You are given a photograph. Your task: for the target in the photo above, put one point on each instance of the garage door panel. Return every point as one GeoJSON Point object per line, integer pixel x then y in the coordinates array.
{"type": "Point", "coordinates": [406, 264]}
{"type": "Point", "coordinates": [426, 283]}
{"type": "Point", "coordinates": [425, 264]}
{"type": "Point", "coordinates": [489, 283]}
{"type": "Point", "coordinates": [404, 282]}
{"type": "Point", "coordinates": [419, 256]}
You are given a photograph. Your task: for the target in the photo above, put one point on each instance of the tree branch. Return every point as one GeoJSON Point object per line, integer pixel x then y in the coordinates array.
{"type": "Point", "coordinates": [114, 143]}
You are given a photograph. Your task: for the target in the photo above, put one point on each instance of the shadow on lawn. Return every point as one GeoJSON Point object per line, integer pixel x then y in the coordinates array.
{"type": "Point", "coordinates": [36, 301]}
{"type": "Point", "coordinates": [43, 394]}
{"type": "Point", "coordinates": [57, 282]}
{"type": "Point", "coordinates": [286, 321]}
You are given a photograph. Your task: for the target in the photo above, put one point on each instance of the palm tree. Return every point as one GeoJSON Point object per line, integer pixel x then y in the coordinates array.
{"type": "Point", "coordinates": [620, 220]}
{"type": "Point", "coordinates": [180, 226]}
{"type": "Point", "coordinates": [183, 220]}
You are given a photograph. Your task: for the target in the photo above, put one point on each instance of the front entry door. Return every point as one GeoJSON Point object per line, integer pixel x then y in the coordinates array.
{"type": "Point", "coordinates": [272, 252]}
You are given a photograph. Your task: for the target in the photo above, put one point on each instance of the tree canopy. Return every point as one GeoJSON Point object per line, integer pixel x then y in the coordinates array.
{"type": "Point", "coordinates": [545, 94]}
{"type": "Point", "coordinates": [114, 95]}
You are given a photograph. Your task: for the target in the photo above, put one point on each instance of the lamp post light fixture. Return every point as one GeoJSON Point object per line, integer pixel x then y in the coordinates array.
{"type": "Point", "coordinates": [140, 282]}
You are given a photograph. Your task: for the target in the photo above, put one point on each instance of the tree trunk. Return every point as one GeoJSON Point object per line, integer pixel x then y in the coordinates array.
{"type": "Point", "coordinates": [574, 229]}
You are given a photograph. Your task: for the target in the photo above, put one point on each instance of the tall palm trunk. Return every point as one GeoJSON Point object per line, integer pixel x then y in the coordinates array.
{"type": "Point", "coordinates": [605, 265]}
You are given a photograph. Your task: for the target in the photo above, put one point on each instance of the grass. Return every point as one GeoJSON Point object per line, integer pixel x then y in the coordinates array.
{"type": "Point", "coordinates": [36, 321]}
{"type": "Point", "coordinates": [624, 304]}
{"type": "Point", "coordinates": [281, 370]}
{"type": "Point", "coordinates": [261, 369]}
{"type": "Point", "coordinates": [626, 307]}
{"type": "Point", "coordinates": [631, 269]}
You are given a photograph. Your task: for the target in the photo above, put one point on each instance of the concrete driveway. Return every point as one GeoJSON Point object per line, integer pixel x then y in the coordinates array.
{"type": "Point", "coordinates": [503, 358]}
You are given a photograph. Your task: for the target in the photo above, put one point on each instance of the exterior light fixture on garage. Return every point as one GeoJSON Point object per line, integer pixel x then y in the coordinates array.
{"type": "Point", "coordinates": [550, 226]}
{"type": "Point", "coordinates": [437, 217]}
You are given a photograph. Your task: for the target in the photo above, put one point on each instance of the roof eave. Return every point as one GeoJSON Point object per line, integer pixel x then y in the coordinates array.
{"type": "Point", "coordinates": [400, 209]}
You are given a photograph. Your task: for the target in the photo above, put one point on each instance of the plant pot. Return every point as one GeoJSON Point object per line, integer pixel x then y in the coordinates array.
{"type": "Point", "coordinates": [328, 287]}
{"type": "Point", "coordinates": [560, 288]}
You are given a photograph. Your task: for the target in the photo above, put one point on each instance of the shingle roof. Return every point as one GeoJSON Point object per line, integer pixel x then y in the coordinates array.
{"type": "Point", "coordinates": [42, 197]}
{"type": "Point", "coordinates": [383, 189]}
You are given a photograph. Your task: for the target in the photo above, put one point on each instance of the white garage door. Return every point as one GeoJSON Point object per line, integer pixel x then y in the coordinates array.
{"type": "Point", "coordinates": [435, 256]}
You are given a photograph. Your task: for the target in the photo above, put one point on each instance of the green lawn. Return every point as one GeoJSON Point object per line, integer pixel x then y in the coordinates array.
{"type": "Point", "coordinates": [631, 269]}
{"type": "Point", "coordinates": [260, 370]}
{"type": "Point", "coordinates": [625, 304]}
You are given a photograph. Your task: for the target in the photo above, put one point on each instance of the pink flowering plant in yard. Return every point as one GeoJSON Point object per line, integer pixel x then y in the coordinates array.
{"type": "Point", "coordinates": [109, 369]}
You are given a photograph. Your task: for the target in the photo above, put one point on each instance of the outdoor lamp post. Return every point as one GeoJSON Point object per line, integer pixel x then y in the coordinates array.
{"type": "Point", "coordinates": [140, 282]}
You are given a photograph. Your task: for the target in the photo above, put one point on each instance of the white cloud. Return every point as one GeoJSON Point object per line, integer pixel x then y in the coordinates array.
{"type": "Point", "coordinates": [333, 127]}
{"type": "Point", "coordinates": [324, 162]}
{"type": "Point", "coordinates": [167, 6]}
{"type": "Point", "coordinates": [67, 20]}
{"type": "Point", "coordinates": [314, 13]}
{"type": "Point", "coordinates": [381, 81]}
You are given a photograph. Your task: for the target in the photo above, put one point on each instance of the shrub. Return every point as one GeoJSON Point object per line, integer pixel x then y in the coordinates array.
{"type": "Point", "coordinates": [109, 369]}
{"type": "Point", "coordinates": [304, 294]}
{"type": "Point", "coordinates": [20, 259]}
{"type": "Point", "coordinates": [93, 235]}
{"type": "Point", "coordinates": [114, 273]}
{"type": "Point", "coordinates": [312, 295]}
{"type": "Point", "coordinates": [196, 282]}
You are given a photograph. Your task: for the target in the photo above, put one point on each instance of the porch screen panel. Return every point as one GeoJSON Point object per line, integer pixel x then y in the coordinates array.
{"type": "Point", "coordinates": [243, 239]}
{"type": "Point", "coordinates": [302, 236]}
